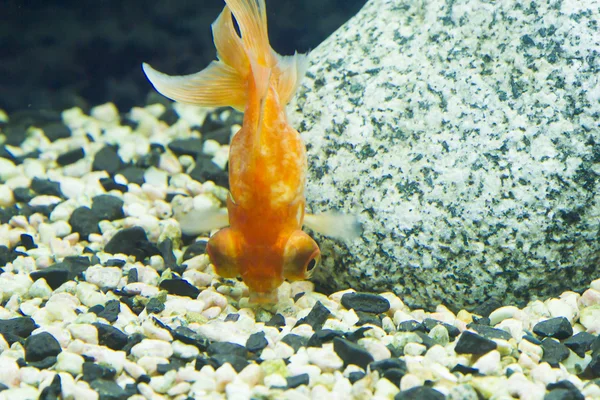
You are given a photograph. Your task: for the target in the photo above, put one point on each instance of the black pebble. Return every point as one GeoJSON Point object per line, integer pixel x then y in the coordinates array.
{"type": "Point", "coordinates": [109, 184]}
{"type": "Point", "coordinates": [132, 275]}
{"type": "Point", "coordinates": [107, 159]}
{"type": "Point", "coordinates": [155, 306]}
{"type": "Point", "coordinates": [107, 207]}
{"type": "Point", "coordinates": [151, 159]}
{"type": "Point", "coordinates": [52, 391]}
{"type": "Point", "coordinates": [389, 363]}
{"type": "Point", "coordinates": [40, 346]}
{"type": "Point", "coordinates": [7, 255]}
{"type": "Point", "coordinates": [111, 310]}
{"type": "Point", "coordinates": [116, 262]}
{"type": "Point", "coordinates": [355, 376]}
{"type": "Point", "coordinates": [352, 353]}
{"type": "Point", "coordinates": [195, 249]}
{"type": "Point", "coordinates": [132, 341]}
{"type": "Point", "coordinates": [45, 186]}
{"type": "Point", "coordinates": [70, 157]}
{"type": "Point", "coordinates": [84, 221]}
{"type": "Point", "coordinates": [465, 370]}
{"type": "Point", "coordinates": [394, 375]}
{"type": "Point", "coordinates": [365, 318]}
{"type": "Point", "coordinates": [238, 363]}
{"type": "Point", "coordinates": [323, 336]}
{"type": "Point", "coordinates": [580, 343]}
{"type": "Point", "coordinates": [430, 323]}
{"type": "Point", "coordinates": [276, 320]}
{"type": "Point", "coordinates": [180, 287]}
{"type": "Point", "coordinates": [532, 339]}
{"type": "Point", "coordinates": [221, 135]}
{"type": "Point", "coordinates": [232, 317]}
{"type": "Point", "coordinates": [27, 242]}
{"type": "Point", "coordinates": [592, 371]}
{"type": "Point", "coordinates": [316, 317]}
{"type": "Point", "coordinates": [420, 393]}
{"type": "Point", "coordinates": [554, 352]}
{"type": "Point", "coordinates": [111, 337]}
{"type": "Point", "coordinates": [366, 302]}
{"type": "Point", "coordinates": [56, 130]}
{"type": "Point", "coordinates": [166, 251]}
{"type": "Point", "coordinates": [227, 348]}
{"type": "Point", "coordinates": [486, 308]}
{"type": "Point", "coordinates": [17, 328]}
{"type": "Point", "coordinates": [131, 241]}
{"type": "Point", "coordinates": [410, 326]}
{"type": "Point", "coordinates": [174, 364]}
{"type": "Point", "coordinates": [295, 341]}
{"type": "Point", "coordinates": [472, 343]}
{"type": "Point", "coordinates": [46, 363]}
{"type": "Point", "coordinates": [93, 371]}
{"type": "Point", "coordinates": [489, 332]}
{"type": "Point", "coordinates": [190, 146]}
{"type": "Point", "coordinates": [188, 336]}
{"type": "Point", "coordinates": [59, 273]}
{"type": "Point", "coordinates": [23, 194]}
{"type": "Point", "coordinates": [133, 174]}
{"type": "Point", "coordinates": [563, 390]}
{"type": "Point", "coordinates": [5, 153]}
{"type": "Point", "coordinates": [298, 380]}
{"type": "Point", "coordinates": [206, 170]}
{"type": "Point", "coordinates": [356, 335]}
{"type": "Point", "coordinates": [169, 117]}
{"type": "Point", "coordinates": [426, 340]}
{"type": "Point", "coordinates": [109, 390]}
{"type": "Point", "coordinates": [558, 328]}
{"type": "Point", "coordinates": [256, 342]}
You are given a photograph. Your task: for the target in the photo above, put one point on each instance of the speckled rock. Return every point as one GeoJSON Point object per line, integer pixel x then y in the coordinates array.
{"type": "Point", "coordinates": [464, 134]}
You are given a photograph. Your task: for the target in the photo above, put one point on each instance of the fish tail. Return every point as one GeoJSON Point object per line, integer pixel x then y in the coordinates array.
{"type": "Point", "coordinates": [225, 82]}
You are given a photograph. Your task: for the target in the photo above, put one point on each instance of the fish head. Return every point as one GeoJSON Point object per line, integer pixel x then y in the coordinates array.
{"type": "Point", "coordinates": [263, 267]}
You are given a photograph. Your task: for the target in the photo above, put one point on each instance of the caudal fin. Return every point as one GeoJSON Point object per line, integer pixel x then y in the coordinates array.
{"type": "Point", "coordinates": [225, 82]}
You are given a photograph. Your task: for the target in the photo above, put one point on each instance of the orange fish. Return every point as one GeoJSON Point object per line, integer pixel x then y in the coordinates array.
{"type": "Point", "coordinates": [264, 242]}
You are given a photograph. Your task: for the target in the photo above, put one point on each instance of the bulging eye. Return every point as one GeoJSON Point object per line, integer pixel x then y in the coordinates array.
{"type": "Point", "coordinates": [301, 257]}
{"type": "Point", "coordinates": [223, 251]}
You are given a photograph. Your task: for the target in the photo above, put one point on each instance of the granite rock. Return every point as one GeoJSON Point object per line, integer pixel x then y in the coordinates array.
{"type": "Point", "coordinates": [465, 136]}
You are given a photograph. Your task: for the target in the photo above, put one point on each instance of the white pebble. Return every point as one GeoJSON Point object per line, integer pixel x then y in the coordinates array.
{"type": "Point", "coordinates": [488, 364]}
{"type": "Point", "coordinates": [9, 371]}
{"type": "Point", "coordinates": [224, 375]}
{"type": "Point", "coordinates": [414, 349]}
{"type": "Point", "coordinates": [7, 169]}
{"type": "Point", "coordinates": [185, 351]}
{"type": "Point", "coordinates": [69, 362]}
{"type": "Point", "coordinates": [503, 313]}
{"type": "Point", "coordinates": [152, 348]}
{"type": "Point", "coordinates": [84, 332]}
{"type": "Point", "coordinates": [100, 276]}
{"type": "Point", "coordinates": [6, 196]}
{"type": "Point", "coordinates": [325, 358]}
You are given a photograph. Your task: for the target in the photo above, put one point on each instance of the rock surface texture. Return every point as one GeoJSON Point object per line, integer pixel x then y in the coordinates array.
{"type": "Point", "coordinates": [466, 135]}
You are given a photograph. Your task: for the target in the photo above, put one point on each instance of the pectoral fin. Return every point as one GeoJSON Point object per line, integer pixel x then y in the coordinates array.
{"type": "Point", "coordinates": [194, 221]}
{"type": "Point", "coordinates": [338, 226]}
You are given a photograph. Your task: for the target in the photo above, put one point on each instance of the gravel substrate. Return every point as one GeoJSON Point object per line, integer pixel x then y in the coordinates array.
{"type": "Point", "coordinates": [102, 297]}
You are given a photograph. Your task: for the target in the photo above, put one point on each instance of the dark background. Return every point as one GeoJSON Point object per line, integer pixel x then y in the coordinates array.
{"type": "Point", "coordinates": [57, 54]}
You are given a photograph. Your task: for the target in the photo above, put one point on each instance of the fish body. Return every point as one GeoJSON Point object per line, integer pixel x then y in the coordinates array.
{"type": "Point", "coordinates": [264, 242]}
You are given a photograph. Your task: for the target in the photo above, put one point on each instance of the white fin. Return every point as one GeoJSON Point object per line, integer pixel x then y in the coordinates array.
{"type": "Point", "coordinates": [217, 85]}
{"type": "Point", "coordinates": [291, 71]}
{"type": "Point", "coordinates": [338, 226]}
{"type": "Point", "coordinates": [194, 221]}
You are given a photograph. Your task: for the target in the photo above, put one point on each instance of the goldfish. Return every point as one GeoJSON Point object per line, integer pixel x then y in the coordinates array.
{"type": "Point", "coordinates": [260, 237]}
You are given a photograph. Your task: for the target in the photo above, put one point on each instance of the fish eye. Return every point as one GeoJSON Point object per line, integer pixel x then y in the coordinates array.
{"type": "Point", "coordinates": [301, 256]}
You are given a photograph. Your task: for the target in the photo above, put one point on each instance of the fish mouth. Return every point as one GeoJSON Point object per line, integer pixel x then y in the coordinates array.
{"type": "Point", "coordinates": [263, 297]}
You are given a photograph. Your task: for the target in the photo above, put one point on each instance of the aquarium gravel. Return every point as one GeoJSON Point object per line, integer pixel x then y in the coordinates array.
{"type": "Point", "coordinates": [103, 298]}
